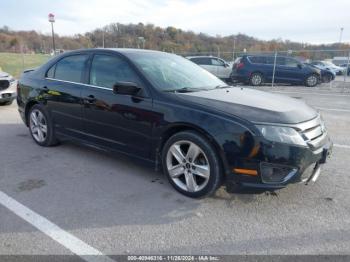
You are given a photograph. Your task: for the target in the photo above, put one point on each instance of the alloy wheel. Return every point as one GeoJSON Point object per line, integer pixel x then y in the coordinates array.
{"type": "Point", "coordinates": [38, 125]}
{"type": "Point", "coordinates": [256, 80]}
{"type": "Point", "coordinates": [188, 166]}
{"type": "Point", "coordinates": [312, 80]}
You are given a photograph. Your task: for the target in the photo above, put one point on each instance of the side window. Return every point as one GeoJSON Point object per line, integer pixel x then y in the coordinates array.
{"type": "Point", "coordinates": [290, 62]}
{"type": "Point", "coordinates": [202, 60]}
{"type": "Point", "coordinates": [195, 60]}
{"type": "Point", "coordinates": [281, 61]}
{"type": "Point", "coordinates": [217, 62]}
{"type": "Point", "coordinates": [107, 70]}
{"type": "Point", "coordinates": [270, 60]}
{"type": "Point", "coordinates": [71, 68]}
{"type": "Point", "coordinates": [51, 72]}
{"type": "Point", "coordinates": [258, 59]}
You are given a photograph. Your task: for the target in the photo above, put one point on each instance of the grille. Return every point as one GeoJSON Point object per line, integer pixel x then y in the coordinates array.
{"type": "Point", "coordinates": [4, 84]}
{"type": "Point", "coordinates": [313, 131]}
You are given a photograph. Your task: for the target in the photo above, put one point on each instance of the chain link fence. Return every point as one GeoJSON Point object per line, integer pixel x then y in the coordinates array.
{"type": "Point", "coordinates": [337, 61]}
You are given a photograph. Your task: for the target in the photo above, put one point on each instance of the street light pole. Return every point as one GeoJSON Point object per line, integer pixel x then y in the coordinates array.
{"type": "Point", "coordinates": [52, 20]}
{"type": "Point", "coordinates": [341, 34]}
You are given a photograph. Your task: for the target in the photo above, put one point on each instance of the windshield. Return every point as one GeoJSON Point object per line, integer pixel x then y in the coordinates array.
{"type": "Point", "coordinates": [169, 72]}
{"type": "Point", "coordinates": [329, 63]}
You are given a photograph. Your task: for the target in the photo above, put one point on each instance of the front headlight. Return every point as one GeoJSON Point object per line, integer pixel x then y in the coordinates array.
{"type": "Point", "coordinates": [281, 134]}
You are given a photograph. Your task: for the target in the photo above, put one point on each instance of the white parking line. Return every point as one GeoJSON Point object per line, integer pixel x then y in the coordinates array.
{"type": "Point", "coordinates": [342, 146]}
{"type": "Point", "coordinates": [333, 109]}
{"type": "Point", "coordinates": [66, 239]}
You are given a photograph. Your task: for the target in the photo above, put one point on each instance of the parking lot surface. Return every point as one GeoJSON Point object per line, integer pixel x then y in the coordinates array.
{"type": "Point", "coordinates": [114, 205]}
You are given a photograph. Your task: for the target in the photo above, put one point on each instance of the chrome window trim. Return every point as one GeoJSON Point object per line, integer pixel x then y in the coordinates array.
{"type": "Point", "coordinates": [76, 83]}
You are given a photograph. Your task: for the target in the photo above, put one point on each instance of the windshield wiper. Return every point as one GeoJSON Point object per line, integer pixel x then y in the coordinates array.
{"type": "Point", "coordinates": [222, 86]}
{"type": "Point", "coordinates": [185, 90]}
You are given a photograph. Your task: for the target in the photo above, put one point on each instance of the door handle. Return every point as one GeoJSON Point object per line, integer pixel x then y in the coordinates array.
{"type": "Point", "coordinates": [90, 99]}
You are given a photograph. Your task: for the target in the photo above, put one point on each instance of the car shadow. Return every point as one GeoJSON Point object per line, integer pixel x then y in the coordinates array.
{"type": "Point", "coordinates": [82, 187]}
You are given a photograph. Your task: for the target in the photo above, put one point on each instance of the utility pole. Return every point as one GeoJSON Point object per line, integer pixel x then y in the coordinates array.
{"type": "Point", "coordinates": [341, 35]}
{"type": "Point", "coordinates": [234, 48]}
{"type": "Point", "coordinates": [142, 40]}
{"type": "Point", "coordinates": [52, 20]}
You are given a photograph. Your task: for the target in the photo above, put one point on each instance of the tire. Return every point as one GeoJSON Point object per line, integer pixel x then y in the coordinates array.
{"type": "Point", "coordinates": [256, 79]}
{"type": "Point", "coordinates": [311, 80]}
{"type": "Point", "coordinates": [41, 126]}
{"type": "Point", "coordinates": [197, 177]}
{"type": "Point", "coordinates": [326, 78]}
{"type": "Point", "coordinates": [7, 103]}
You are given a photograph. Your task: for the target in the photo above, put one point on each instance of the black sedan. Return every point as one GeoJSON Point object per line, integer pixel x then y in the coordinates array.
{"type": "Point", "coordinates": [166, 110]}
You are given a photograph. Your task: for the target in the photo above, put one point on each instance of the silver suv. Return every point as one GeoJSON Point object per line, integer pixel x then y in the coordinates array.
{"type": "Point", "coordinates": [217, 66]}
{"type": "Point", "coordinates": [7, 88]}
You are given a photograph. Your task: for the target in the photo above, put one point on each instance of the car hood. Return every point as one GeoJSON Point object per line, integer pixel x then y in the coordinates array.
{"type": "Point", "coordinates": [253, 105]}
{"type": "Point", "coordinates": [3, 74]}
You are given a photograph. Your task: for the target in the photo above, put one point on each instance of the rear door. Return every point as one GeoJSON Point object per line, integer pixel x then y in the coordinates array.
{"type": "Point", "coordinates": [62, 89]}
{"type": "Point", "coordinates": [121, 122]}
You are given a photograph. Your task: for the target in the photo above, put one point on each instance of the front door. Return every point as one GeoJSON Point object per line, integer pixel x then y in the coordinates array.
{"type": "Point", "coordinates": [121, 122]}
{"type": "Point", "coordinates": [287, 70]}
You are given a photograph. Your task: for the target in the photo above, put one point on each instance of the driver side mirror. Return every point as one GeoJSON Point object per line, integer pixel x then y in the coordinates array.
{"type": "Point", "coordinates": [126, 88]}
{"type": "Point", "coordinates": [300, 66]}
{"type": "Point", "coordinates": [226, 65]}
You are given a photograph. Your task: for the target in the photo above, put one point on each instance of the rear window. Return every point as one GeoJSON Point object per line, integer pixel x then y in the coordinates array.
{"type": "Point", "coordinates": [71, 68]}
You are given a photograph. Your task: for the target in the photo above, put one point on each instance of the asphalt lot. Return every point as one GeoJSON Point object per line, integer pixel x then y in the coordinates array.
{"type": "Point", "coordinates": [113, 205]}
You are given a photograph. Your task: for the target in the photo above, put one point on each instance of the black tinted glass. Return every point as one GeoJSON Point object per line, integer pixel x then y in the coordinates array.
{"type": "Point", "coordinates": [51, 72]}
{"type": "Point", "coordinates": [71, 68]}
{"type": "Point", "coordinates": [270, 60]}
{"type": "Point", "coordinates": [201, 60]}
{"type": "Point", "coordinates": [107, 70]}
{"type": "Point", "coordinates": [258, 59]}
{"type": "Point", "coordinates": [280, 61]}
{"type": "Point", "coordinates": [290, 62]}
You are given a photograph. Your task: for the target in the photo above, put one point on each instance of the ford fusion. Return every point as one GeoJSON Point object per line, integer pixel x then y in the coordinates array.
{"type": "Point", "coordinates": [169, 112]}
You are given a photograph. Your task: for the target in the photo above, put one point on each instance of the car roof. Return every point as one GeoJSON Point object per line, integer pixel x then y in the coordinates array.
{"type": "Point", "coordinates": [202, 56]}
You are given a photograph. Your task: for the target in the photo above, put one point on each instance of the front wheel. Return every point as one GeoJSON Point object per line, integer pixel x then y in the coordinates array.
{"type": "Point", "coordinates": [191, 164]}
{"type": "Point", "coordinates": [311, 80]}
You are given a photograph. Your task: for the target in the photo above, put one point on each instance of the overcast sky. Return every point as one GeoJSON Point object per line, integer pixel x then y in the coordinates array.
{"type": "Point", "coordinates": [312, 21]}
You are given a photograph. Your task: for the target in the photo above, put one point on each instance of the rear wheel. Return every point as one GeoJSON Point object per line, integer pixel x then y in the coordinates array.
{"type": "Point", "coordinates": [41, 126]}
{"type": "Point", "coordinates": [256, 79]}
{"type": "Point", "coordinates": [311, 80]}
{"type": "Point", "coordinates": [191, 164]}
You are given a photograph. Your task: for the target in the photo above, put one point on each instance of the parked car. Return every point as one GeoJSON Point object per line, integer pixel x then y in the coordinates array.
{"type": "Point", "coordinates": [7, 88]}
{"type": "Point", "coordinates": [258, 69]}
{"type": "Point", "coordinates": [329, 66]}
{"type": "Point", "coordinates": [165, 110]}
{"type": "Point", "coordinates": [214, 65]}
{"type": "Point", "coordinates": [345, 66]}
{"type": "Point", "coordinates": [326, 74]}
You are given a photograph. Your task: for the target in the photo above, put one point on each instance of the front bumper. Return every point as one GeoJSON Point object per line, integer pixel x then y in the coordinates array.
{"type": "Point", "coordinates": [9, 94]}
{"type": "Point", "coordinates": [280, 165]}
